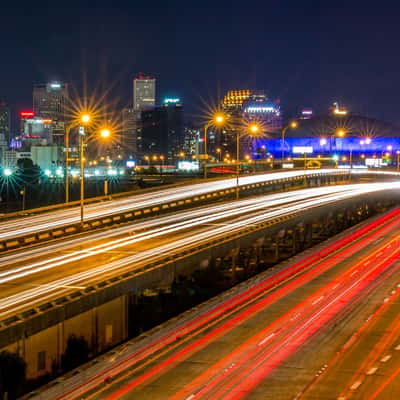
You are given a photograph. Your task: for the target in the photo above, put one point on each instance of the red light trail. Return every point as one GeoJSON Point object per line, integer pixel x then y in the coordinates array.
{"type": "Point", "coordinates": [357, 278]}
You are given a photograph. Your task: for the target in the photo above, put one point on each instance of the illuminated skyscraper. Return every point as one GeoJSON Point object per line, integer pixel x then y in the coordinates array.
{"type": "Point", "coordinates": [234, 99]}
{"type": "Point", "coordinates": [162, 130]}
{"type": "Point", "coordinates": [4, 129]}
{"type": "Point", "coordinates": [144, 93]}
{"type": "Point", "coordinates": [5, 121]}
{"type": "Point", "coordinates": [49, 101]}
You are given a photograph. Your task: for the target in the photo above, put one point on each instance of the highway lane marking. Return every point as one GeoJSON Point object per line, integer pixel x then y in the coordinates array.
{"type": "Point", "coordinates": [354, 272]}
{"type": "Point", "coordinates": [372, 370]}
{"type": "Point", "coordinates": [380, 253]}
{"type": "Point", "coordinates": [297, 315]}
{"type": "Point", "coordinates": [318, 300]}
{"type": "Point", "coordinates": [397, 347]}
{"type": "Point", "coordinates": [190, 397]}
{"type": "Point", "coordinates": [367, 262]}
{"type": "Point", "coordinates": [386, 358]}
{"type": "Point", "coordinates": [266, 339]}
{"type": "Point", "coordinates": [355, 385]}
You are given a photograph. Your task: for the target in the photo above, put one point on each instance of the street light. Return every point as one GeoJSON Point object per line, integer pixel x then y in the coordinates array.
{"type": "Point", "coordinates": [218, 150]}
{"type": "Point", "coordinates": [7, 173]}
{"type": "Point", "coordinates": [22, 192]}
{"type": "Point", "coordinates": [105, 133]}
{"type": "Point", "coordinates": [293, 125]}
{"type": "Point", "coordinates": [85, 119]}
{"type": "Point", "coordinates": [162, 164]}
{"type": "Point", "coordinates": [218, 120]}
{"type": "Point", "coordinates": [341, 133]}
{"type": "Point", "coordinates": [253, 129]}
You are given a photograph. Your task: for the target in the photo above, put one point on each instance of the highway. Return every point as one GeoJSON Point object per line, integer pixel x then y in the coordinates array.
{"type": "Point", "coordinates": [58, 268]}
{"type": "Point", "coordinates": [54, 219]}
{"type": "Point", "coordinates": [232, 349]}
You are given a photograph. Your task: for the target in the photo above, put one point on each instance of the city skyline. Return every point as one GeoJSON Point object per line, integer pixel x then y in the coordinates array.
{"type": "Point", "coordinates": [308, 56]}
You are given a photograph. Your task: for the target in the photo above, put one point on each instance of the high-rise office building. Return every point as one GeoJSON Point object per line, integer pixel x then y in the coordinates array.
{"type": "Point", "coordinates": [5, 120]}
{"type": "Point", "coordinates": [162, 130]}
{"type": "Point", "coordinates": [260, 108]}
{"type": "Point", "coordinates": [243, 107]}
{"type": "Point", "coordinates": [129, 133]}
{"type": "Point", "coordinates": [5, 127]}
{"type": "Point", "coordinates": [49, 102]}
{"type": "Point", "coordinates": [144, 93]}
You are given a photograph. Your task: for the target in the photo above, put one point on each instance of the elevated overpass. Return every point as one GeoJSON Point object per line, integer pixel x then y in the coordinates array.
{"type": "Point", "coordinates": [84, 285]}
{"type": "Point", "coordinates": [45, 226]}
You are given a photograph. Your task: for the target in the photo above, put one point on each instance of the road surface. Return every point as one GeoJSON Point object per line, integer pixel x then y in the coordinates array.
{"type": "Point", "coordinates": [320, 327]}
{"type": "Point", "coordinates": [57, 218]}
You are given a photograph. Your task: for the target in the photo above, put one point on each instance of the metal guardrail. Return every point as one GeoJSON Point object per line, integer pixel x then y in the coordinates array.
{"type": "Point", "coordinates": [134, 214]}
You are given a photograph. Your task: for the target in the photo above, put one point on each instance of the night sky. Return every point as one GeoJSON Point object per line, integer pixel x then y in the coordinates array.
{"type": "Point", "coordinates": [307, 53]}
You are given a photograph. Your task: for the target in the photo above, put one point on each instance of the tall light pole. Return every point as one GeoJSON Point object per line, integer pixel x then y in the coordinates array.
{"type": "Point", "coordinates": [217, 120]}
{"type": "Point", "coordinates": [67, 132]}
{"type": "Point", "coordinates": [105, 133]}
{"type": "Point", "coordinates": [341, 133]}
{"type": "Point", "coordinates": [85, 120]}
{"type": "Point", "coordinates": [253, 129]}
{"type": "Point", "coordinates": [293, 125]}
{"type": "Point", "coordinates": [23, 194]}
{"type": "Point", "coordinates": [162, 164]}
{"type": "Point", "coordinates": [7, 174]}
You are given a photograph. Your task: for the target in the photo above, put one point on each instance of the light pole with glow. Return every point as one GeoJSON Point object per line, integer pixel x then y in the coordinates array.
{"type": "Point", "coordinates": [7, 174]}
{"type": "Point", "coordinates": [105, 133]}
{"type": "Point", "coordinates": [293, 125]}
{"type": "Point", "coordinates": [217, 120]}
{"type": "Point", "coordinates": [253, 129]}
{"type": "Point", "coordinates": [85, 120]}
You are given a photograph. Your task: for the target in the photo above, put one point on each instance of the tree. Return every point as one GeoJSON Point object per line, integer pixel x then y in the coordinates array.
{"type": "Point", "coordinates": [76, 353]}
{"type": "Point", "coordinates": [27, 172]}
{"type": "Point", "coordinates": [12, 374]}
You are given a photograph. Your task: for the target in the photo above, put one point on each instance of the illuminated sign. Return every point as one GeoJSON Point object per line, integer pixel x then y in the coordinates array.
{"type": "Point", "coordinates": [339, 111]}
{"type": "Point", "coordinates": [287, 165]}
{"type": "Point", "coordinates": [25, 114]}
{"type": "Point", "coordinates": [375, 162]}
{"type": "Point", "coordinates": [261, 109]}
{"type": "Point", "coordinates": [172, 100]}
{"type": "Point", "coordinates": [39, 121]}
{"type": "Point", "coordinates": [130, 164]}
{"type": "Point", "coordinates": [188, 165]}
{"type": "Point", "coordinates": [55, 85]}
{"type": "Point", "coordinates": [302, 149]}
